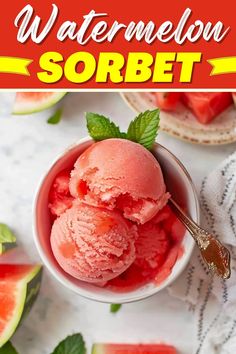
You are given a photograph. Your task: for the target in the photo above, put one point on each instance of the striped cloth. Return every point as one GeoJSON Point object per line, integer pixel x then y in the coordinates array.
{"type": "Point", "coordinates": [212, 300]}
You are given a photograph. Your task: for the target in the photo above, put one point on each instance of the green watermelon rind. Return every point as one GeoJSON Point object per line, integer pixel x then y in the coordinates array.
{"type": "Point", "coordinates": [29, 107]}
{"type": "Point", "coordinates": [24, 286]}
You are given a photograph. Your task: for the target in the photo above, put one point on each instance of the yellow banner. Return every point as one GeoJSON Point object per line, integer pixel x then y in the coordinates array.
{"type": "Point", "coordinates": [13, 65]}
{"type": "Point", "coordinates": [225, 65]}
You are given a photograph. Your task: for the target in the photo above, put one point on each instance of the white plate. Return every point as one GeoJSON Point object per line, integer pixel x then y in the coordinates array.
{"type": "Point", "coordinates": [183, 125]}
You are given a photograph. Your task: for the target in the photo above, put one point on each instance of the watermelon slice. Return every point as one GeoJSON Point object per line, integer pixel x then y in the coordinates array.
{"type": "Point", "coordinates": [167, 100]}
{"type": "Point", "coordinates": [101, 348]}
{"type": "Point", "coordinates": [207, 105]}
{"type": "Point", "coordinates": [19, 287]}
{"type": "Point", "coordinates": [32, 102]}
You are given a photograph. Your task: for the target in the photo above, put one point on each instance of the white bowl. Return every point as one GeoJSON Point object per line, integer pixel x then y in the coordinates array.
{"type": "Point", "coordinates": [179, 184]}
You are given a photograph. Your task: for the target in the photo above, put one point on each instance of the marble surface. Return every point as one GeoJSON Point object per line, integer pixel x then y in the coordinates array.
{"type": "Point", "coordinates": [27, 147]}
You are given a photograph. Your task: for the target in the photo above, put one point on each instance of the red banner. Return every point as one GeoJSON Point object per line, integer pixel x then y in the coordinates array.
{"type": "Point", "coordinates": [116, 45]}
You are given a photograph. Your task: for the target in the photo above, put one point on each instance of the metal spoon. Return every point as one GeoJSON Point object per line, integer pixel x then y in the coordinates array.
{"type": "Point", "coordinates": [216, 256]}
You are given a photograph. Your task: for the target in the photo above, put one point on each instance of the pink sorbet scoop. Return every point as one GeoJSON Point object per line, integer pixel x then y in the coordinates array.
{"type": "Point", "coordinates": [93, 244]}
{"type": "Point", "coordinates": [117, 173]}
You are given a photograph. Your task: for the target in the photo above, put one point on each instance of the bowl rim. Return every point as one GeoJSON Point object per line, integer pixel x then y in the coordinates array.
{"type": "Point", "coordinates": [87, 293]}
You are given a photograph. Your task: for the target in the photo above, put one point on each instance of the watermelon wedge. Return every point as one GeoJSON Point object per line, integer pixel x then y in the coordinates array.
{"type": "Point", "coordinates": [19, 287]}
{"type": "Point", "coordinates": [32, 102]}
{"type": "Point", "coordinates": [101, 348]}
{"type": "Point", "coordinates": [167, 100]}
{"type": "Point", "coordinates": [207, 105]}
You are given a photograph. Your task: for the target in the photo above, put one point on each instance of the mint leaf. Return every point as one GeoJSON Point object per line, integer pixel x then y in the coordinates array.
{"type": "Point", "coordinates": [143, 129]}
{"type": "Point", "coordinates": [7, 238]}
{"type": "Point", "coordinates": [8, 349]}
{"type": "Point", "coordinates": [115, 308]}
{"type": "Point", "coordinates": [71, 345]}
{"type": "Point", "coordinates": [101, 128]}
{"type": "Point", "coordinates": [55, 118]}
{"type": "Point", "coordinates": [6, 235]}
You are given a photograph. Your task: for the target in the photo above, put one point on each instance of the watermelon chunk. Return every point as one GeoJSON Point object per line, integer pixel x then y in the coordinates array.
{"type": "Point", "coordinates": [167, 100]}
{"type": "Point", "coordinates": [101, 348]}
{"type": "Point", "coordinates": [60, 198]}
{"type": "Point", "coordinates": [19, 287]}
{"type": "Point", "coordinates": [207, 105]}
{"type": "Point", "coordinates": [32, 102]}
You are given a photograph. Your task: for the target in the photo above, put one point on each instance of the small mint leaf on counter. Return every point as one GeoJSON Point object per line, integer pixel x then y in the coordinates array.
{"type": "Point", "coordinates": [115, 308]}
{"type": "Point", "coordinates": [55, 118]}
{"type": "Point", "coordinates": [101, 128]}
{"type": "Point", "coordinates": [144, 128]}
{"type": "Point", "coordinates": [73, 344]}
{"type": "Point", "coordinates": [7, 238]}
{"type": "Point", "coordinates": [8, 349]}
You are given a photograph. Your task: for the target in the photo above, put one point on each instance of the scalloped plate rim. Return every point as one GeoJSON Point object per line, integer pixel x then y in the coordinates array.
{"type": "Point", "coordinates": [186, 133]}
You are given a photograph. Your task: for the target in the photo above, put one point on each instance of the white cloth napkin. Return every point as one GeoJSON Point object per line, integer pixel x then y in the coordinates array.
{"type": "Point", "coordinates": [213, 300]}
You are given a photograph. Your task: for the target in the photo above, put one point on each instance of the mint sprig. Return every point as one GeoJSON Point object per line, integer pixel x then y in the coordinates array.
{"type": "Point", "coordinates": [7, 238]}
{"type": "Point", "coordinates": [143, 129]}
{"type": "Point", "coordinates": [8, 349]}
{"type": "Point", "coordinates": [55, 118]}
{"type": "Point", "coordinates": [101, 128]}
{"type": "Point", "coordinates": [73, 344]}
{"type": "Point", "coordinates": [115, 308]}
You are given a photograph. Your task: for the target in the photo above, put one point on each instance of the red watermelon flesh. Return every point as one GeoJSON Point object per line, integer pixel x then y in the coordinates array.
{"type": "Point", "coordinates": [60, 198]}
{"type": "Point", "coordinates": [167, 100]}
{"type": "Point", "coordinates": [207, 105]}
{"type": "Point", "coordinates": [14, 272]}
{"type": "Point", "coordinates": [34, 96]}
{"type": "Point", "coordinates": [133, 349]}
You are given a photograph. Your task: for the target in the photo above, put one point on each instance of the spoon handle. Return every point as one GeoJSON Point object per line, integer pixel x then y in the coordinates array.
{"type": "Point", "coordinates": [214, 253]}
